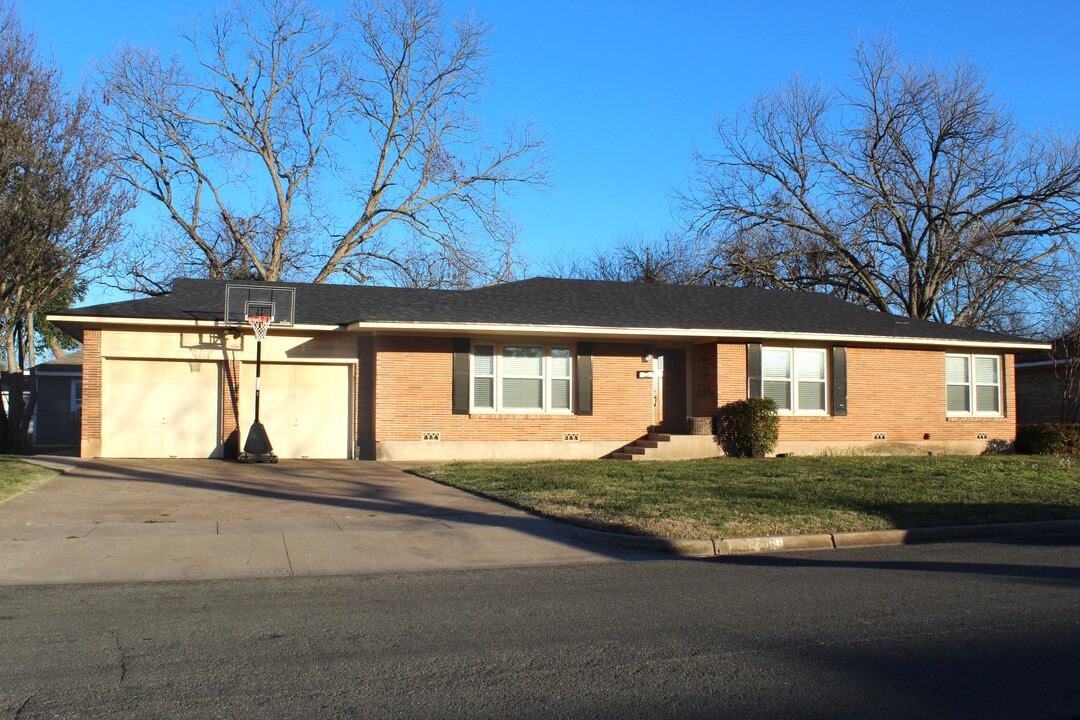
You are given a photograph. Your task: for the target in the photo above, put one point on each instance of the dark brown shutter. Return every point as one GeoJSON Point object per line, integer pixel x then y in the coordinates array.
{"type": "Point", "coordinates": [461, 376]}
{"type": "Point", "coordinates": [583, 379]}
{"type": "Point", "coordinates": [839, 380]}
{"type": "Point", "coordinates": [753, 370]}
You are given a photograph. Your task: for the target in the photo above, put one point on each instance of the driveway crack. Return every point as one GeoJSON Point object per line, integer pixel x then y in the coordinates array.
{"type": "Point", "coordinates": [23, 706]}
{"type": "Point", "coordinates": [121, 658]}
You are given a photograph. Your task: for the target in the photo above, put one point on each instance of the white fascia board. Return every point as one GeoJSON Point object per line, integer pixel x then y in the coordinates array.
{"type": "Point", "coordinates": [539, 330]}
{"type": "Point", "coordinates": [94, 320]}
{"type": "Point", "coordinates": [1049, 363]}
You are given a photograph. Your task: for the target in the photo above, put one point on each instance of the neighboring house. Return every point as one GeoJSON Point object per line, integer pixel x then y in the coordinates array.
{"type": "Point", "coordinates": [5, 395]}
{"type": "Point", "coordinates": [1048, 383]}
{"type": "Point", "coordinates": [59, 403]}
{"type": "Point", "coordinates": [540, 368]}
{"type": "Point", "coordinates": [55, 424]}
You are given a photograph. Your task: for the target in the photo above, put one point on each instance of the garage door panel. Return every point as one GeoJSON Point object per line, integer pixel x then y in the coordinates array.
{"type": "Point", "coordinates": [304, 407]}
{"type": "Point", "coordinates": [159, 408]}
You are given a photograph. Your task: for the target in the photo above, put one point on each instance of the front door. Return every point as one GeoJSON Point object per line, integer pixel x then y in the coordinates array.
{"type": "Point", "coordinates": [670, 390]}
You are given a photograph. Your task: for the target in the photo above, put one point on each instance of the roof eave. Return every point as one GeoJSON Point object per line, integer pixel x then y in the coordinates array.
{"type": "Point", "coordinates": [61, 320]}
{"type": "Point", "coordinates": [646, 332]}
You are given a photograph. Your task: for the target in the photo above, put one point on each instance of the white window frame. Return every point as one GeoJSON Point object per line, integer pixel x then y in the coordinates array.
{"type": "Point", "coordinates": [76, 397]}
{"type": "Point", "coordinates": [473, 375]}
{"type": "Point", "coordinates": [972, 387]}
{"type": "Point", "coordinates": [500, 375]}
{"type": "Point", "coordinates": [793, 380]}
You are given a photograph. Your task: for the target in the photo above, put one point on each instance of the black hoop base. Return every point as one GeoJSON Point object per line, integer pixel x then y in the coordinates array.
{"type": "Point", "coordinates": [257, 448]}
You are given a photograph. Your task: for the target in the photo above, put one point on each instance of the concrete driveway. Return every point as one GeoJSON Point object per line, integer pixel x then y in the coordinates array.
{"type": "Point", "coordinates": [135, 520]}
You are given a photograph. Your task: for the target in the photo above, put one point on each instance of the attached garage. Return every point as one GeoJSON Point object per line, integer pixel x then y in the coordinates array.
{"type": "Point", "coordinates": [160, 408]}
{"type": "Point", "coordinates": [305, 407]}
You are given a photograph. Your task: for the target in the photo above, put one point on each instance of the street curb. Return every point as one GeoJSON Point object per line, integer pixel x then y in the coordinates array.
{"type": "Point", "coordinates": [685, 547]}
{"type": "Point", "coordinates": [778, 543]}
{"type": "Point", "coordinates": [689, 547]}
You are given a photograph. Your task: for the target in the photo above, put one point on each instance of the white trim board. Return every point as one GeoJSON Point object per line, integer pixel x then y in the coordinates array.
{"type": "Point", "coordinates": [576, 331]}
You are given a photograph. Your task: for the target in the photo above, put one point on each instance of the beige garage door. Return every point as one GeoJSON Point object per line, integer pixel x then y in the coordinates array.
{"type": "Point", "coordinates": [305, 409]}
{"type": "Point", "coordinates": [159, 409]}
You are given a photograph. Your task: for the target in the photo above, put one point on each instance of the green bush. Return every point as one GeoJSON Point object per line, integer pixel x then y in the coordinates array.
{"type": "Point", "coordinates": [1048, 439]}
{"type": "Point", "coordinates": [748, 428]}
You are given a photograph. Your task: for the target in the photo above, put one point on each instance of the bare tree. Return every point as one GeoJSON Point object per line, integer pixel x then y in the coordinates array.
{"type": "Point", "coordinates": [911, 190]}
{"type": "Point", "coordinates": [60, 208]}
{"type": "Point", "coordinates": [291, 145]}
{"type": "Point", "coordinates": [671, 259]}
{"type": "Point", "coordinates": [1061, 327]}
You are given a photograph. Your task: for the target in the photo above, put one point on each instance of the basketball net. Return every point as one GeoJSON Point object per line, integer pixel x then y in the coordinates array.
{"type": "Point", "coordinates": [260, 324]}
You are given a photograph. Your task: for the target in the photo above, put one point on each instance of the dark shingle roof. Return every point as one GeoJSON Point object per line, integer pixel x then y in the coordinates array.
{"type": "Point", "coordinates": [65, 363]}
{"type": "Point", "coordinates": [550, 302]}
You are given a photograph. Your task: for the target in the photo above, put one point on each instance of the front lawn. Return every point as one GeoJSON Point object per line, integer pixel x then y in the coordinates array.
{"type": "Point", "coordinates": [16, 477]}
{"type": "Point", "coordinates": [725, 497]}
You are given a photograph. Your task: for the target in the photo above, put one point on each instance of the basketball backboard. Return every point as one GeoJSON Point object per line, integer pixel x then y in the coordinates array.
{"type": "Point", "coordinates": [244, 300]}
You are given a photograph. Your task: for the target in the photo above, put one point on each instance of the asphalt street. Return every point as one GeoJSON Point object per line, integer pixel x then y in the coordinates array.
{"type": "Point", "coordinates": [963, 630]}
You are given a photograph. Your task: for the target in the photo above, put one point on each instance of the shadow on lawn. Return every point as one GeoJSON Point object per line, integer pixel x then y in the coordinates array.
{"type": "Point", "coordinates": [899, 514]}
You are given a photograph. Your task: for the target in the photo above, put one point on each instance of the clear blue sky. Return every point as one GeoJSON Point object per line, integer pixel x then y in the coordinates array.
{"type": "Point", "coordinates": [625, 89]}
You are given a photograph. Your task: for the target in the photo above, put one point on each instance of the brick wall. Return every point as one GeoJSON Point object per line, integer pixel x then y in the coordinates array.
{"type": "Point", "coordinates": [703, 369]}
{"type": "Point", "coordinates": [91, 398]}
{"type": "Point", "coordinates": [1039, 394]}
{"type": "Point", "coordinates": [230, 409]}
{"type": "Point", "coordinates": [413, 396]}
{"type": "Point", "coordinates": [897, 391]}
{"type": "Point", "coordinates": [365, 397]}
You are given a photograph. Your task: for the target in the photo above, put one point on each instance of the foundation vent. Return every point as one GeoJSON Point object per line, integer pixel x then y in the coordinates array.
{"type": "Point", "coordinates": [881, 436]}
{"type": "Point", "coordinates": [982, 436]}
{"type": "Point", "coordinates": [571, 437]}
{"type": "Point", "coordinates": [430, 436]}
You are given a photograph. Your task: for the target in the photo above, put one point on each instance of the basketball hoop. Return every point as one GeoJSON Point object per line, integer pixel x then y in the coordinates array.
{"type": "Point", "coordinates": [260, 324]}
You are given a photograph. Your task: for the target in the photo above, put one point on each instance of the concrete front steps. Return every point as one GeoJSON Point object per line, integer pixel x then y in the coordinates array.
{"type": "Point", "coordinates": [662, 446]}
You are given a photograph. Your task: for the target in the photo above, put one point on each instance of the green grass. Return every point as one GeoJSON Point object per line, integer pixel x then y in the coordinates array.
{"type": "Point", "coordinates": [16, 477]}
{"type": "Point", "coordinates": [726, 497]}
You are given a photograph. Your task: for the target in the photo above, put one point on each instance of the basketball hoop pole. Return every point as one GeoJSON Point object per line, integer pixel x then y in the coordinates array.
{"type": "Point", "coordinates": [258, 374]}
{"type": "Point", "coordinates": [260, 324]}
{"type": "Point", "coordinates": [259, 306]}
{"type": "Point", "coordinates": [258, 447]}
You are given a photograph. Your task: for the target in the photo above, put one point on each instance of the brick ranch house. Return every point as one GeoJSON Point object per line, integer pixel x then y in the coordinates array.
{"type": "Point", "coordinates": [540, 368]}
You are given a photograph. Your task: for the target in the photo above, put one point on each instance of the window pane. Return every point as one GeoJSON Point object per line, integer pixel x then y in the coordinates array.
{"type": "Point", "coordinates": [560, 362]}
{"type": "Point", "coordinates": [811, 396]}
{"type": "Point", "coordinates": [521, 393]}
{"type": "Point", "coordinates": [523, 361]}
{"type": "Point", "coordinates": [560, 394]}
{"type": "Point", "coordinates": [986, 398]}
{"type": "Point", "coordinates": [986, 371]}
{"type": "Point", "coordinates": [957, 398]}
{"type": "Point", "coordinates": [483, 360]}
{"type": "Point", "coordinates": [775, 363]}
{"type": "Point", "coordinates": [779, 391]}
{"type": "Point", "coordinates": [484, 392]}
{"type": "Point", "coordinates": [811, 365]}
{"type": "Point", "coordinates": [956, 370]}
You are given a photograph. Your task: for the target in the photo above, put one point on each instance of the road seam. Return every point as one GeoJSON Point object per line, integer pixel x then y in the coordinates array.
{"type": "Point", "coordinates": [287, 558]}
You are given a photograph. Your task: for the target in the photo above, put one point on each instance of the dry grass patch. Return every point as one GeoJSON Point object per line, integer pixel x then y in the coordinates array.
{"type": "Point", "coordinates": [17, 477]}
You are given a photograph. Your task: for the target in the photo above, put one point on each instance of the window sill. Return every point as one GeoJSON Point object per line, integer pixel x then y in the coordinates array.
{"type": "Point", "coordinates": [974, 418]}
{"type": "Point", "coordinates": [535, 415]}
